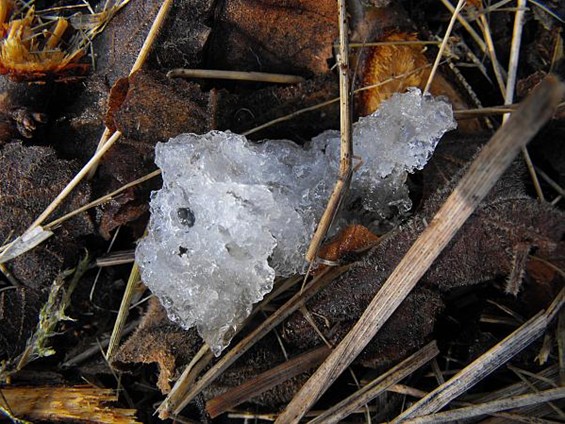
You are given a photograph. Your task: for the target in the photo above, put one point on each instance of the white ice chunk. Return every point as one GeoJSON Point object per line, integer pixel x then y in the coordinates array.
{"type": "Point", "coordinates": [233, 214]}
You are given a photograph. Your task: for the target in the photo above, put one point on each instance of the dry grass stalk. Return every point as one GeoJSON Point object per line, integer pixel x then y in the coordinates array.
{"type": "Point", "coordinates": [490, 407]}
{"type": "Point", "coordinates": [139, 61]}
{"type": "Point", "coordinates": [265, 381]}
{"type": "Point", "coordinates": [561, 346]}
{"type": "Point", "coordinates": [133, 286]}
{"type": "Point", "coordinates": [133, 281]}
{"type": "Point", "coordinates": [482, 174]}
{"type": "Point", "coordinates": [497, 69]}
{"type": "Point", "coordinates": [346, 145]}
{"type": "Point", "coordinates": [121, 257]}
{"type": "Point", "coordinates": [103, 199]}
{"type": "Point", "coordinates": [474, 35]}
{"type": "Point", "coordinates": [95, 349]}
{"type": "Point", "coordinates": [511, 84]}
{"type": "Point", "coordinates": [377, 386]}
{"type": "Point", "coordinates": [478, 369]}
{"type": "Point", "coordinates": [546, 379]}
{"type": "Point", "coordinates": [78, 403]}
{"type": "Point", "coordinates": [62, 195]}
{"type": "Point", "coordinates": [177, 399]}
{"type": "Point", "coordinates": [235, 75]}
{"type": "Point", "coordinates": [523, 375]}
{"type": "Point", "coordinates": [460, 5]}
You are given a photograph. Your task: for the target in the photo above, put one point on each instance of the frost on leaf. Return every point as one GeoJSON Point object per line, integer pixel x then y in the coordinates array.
{"type": "Point", "coordinates": [232, 214]}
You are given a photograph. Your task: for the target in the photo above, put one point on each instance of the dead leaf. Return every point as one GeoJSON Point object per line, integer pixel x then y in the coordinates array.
{"type": "Point", "coordinates": [351, 239]}
{"type": "Point", "coordinates": [293, 37]}
{"type": "Point", "coordinates": [159, 341]}
{"type": "Point", "coordinates": [403, 66]}
{"type": "Point", "coordinates": [154, 108]}
{"type": "Point", "coordinates": [19, 313]}
{"type": "Point", "coordinates": [30, 178]}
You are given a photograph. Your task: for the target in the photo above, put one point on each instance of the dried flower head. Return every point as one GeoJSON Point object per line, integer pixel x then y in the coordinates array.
{"type": "Point", "coordinates": [37, 45]}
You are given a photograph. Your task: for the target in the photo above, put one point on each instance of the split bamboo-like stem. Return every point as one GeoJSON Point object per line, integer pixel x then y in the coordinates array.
{"type": "Point", "coordinates": [481, 176]}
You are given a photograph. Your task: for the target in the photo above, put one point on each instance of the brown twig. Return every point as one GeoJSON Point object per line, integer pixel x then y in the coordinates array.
{"type": "Point", "coordinates": [346, 152]}
{"type": "Point", "coordinates": [481, 176]}
{"type": "Point", "coordinates": [265, 381]}
{"type": "Point", "coordinates": [235, 75]}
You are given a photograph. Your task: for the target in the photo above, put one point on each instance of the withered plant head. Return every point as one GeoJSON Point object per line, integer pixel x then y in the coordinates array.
{"type": "Point", "coordinates": [40, 45]}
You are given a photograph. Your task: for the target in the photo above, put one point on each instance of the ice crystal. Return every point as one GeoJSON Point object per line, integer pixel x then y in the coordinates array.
{"type": "Point", "coordinates": [233, 214]}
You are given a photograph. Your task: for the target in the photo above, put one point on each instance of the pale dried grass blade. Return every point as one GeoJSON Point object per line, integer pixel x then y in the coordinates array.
{"type": "Point", "coordinates": [133, 286]}
{"type": "Point", "coordinates": [139, 61]}
{"type": "Point", "coordinates": [481, 176]}
{"type": "Point", "coordinates": [454, 16]}
{"type": "Point", "coordinates": [478, 369]}
{"type": "Point", "coordinates": [369, 392]}
{"type": "Point", "coordinates": [485, 364]}
{"type": "Point", "coordinates": [511, 84]}
{"type": "Point", "coordinates": [490, 407]}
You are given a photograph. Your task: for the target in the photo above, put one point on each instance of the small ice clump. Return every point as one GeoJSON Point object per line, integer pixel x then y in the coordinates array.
{"type": "Point", "coordinates": [233, 214]}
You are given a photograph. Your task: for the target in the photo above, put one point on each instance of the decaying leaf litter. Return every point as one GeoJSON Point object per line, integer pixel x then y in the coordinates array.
{"type": "Point", "coordinates": [512, 243]}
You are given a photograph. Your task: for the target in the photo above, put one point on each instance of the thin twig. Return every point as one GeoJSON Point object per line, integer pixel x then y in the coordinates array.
{"type": "Point", "coordinates": [346, 150]}
{"type": "Point", "coordinates": [235, 75]}
{"type": "Point", "coordinates": [482, 174]}
{"type": "Point", "coordinates": [460, 6]}
{"type": "Point", "coordinates": [265, 381]}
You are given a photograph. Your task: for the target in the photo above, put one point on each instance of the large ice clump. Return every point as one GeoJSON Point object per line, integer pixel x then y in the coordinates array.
{"type": "Point", "coordinates": [233, 214]}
